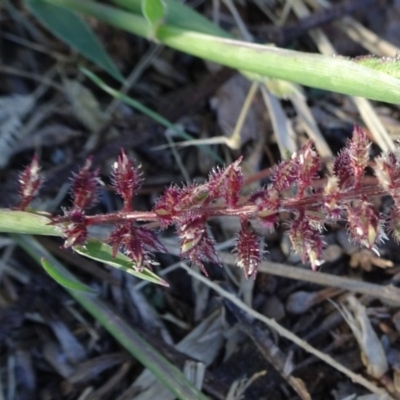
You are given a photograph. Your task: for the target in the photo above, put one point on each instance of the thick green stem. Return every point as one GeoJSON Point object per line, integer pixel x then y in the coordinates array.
{"type": "Point", "coordinates": [330, 73]}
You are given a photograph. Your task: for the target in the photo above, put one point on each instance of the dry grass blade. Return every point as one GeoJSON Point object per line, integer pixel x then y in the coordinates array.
{"type": "Point", "coordinates": [371, 119]}
{"type": "Point", "coordinates": [281, 124]}
{"type": "Point", "coordinates": [237, 389]}
{"type": "Point", "coordinates": [389, 293]}
{"type": "Point", "coordinates": [366, 38]}
{"type": "Point", "coordinates": [310, 125]}
{"type": "Point", "coordinates": [357, 32]}
{"type": "Point", "coordinates": [373, 354]}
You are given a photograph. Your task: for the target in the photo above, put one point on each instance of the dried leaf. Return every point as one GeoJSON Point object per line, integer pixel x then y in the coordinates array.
{"type": "Point", "coordinates": [372, 352]}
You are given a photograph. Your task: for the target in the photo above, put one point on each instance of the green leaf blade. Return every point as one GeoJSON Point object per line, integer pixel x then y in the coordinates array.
{"type": "Point", "coordinates": [154, 11]}
{"type": "Point", "coordinates": [64, 280]}
{"type": "Point", "coordinates": [23, 222]}
{"type": "Point", "coordinates": [74, 31]}
{"type": "Point", "coordinates": [99, 251]}
{"type": "Point", "coordinates": [180, 15]}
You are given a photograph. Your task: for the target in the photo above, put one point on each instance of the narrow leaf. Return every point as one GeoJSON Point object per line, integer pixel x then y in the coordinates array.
{"type": "Point", "coordinates": [74, 31]}
{"type": "Point", "coordinates": [61, 278]}
{"type": "Point", "coordinates": [99, 251]}
{"type": "Point", "coordinates": [314, 70]}
{"type": "Point", "coordinates": [154, 12]}
{"type": "Point", "coordinates": [13, 221]}
{"type": "Point", "coordinates": [179, 15]}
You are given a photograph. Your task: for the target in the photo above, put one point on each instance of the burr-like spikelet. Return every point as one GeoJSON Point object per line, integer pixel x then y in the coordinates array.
{"type": "Point", "coordinates": [308, 165]}
{"type": "Point", "coordinates": [267, 202]}
{"type": "Point", "coordinates": [137, 243]}
{"type": "Point", "coordinates": [364, 224]}
{"type": "Point", "coordinates": [387, 171]}
{"type": "Point", "coordinates": [196, 245]}
{"type": "Point", "coordinates": [284, 174]}
{"type": "Point", "coordinates": [358, 148]}
{"type": "Point", "coordinates": [248, 250]}
{"type": "Point", "coordinates": [126, 179]}
{"type": "Point", "coordinates": [84, 186]}
{"type": "Point", "coordinates": [29, 182]}
{"type": "Point", "coordinates": [331, 198]}
{"type": "Point", "coordinates": [227, 183]}
{"type": "Point", "coordinates": [306, 240]}
{"type": "Point", "coordinates": [349, 166]}
{"type": "Point", "coordinates": [166, 204]}
{"type": "Point", "coordinates": [74, 227]}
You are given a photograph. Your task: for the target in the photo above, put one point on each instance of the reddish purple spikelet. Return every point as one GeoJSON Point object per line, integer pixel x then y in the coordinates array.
{"type": "Point", "coordinates": [387, 171]}
{"type": "Point", "coordinates": [196, 245]}
{"type": "Point", "coordinates": [350, 164]}
{"type": "Point", "coordinates": [192, 197]}
{"type": "Point", "coordinates": [342, 170]}
{"type": "Point", "coordinates": [165, 206]}
{"type": "Point", "coordinates": [247, 250]}
{"type": "Point", "coordinates": [125, 236]}
{"type": "Point", "coordinates": [227, 183]}
{"type": "Point", "coordinates": [74, 227]}
{"type": "Point", "coordinates": [268, 203]}
{"type": "Point", "coordinates": [284, 174]}
{"type": "Point", "coordinates": [308, 166]}
{"type": "Point", "coordinates": [301, 169]}
{"type": "Point", "coordinates": [137, 243]}
{"type": "Point", "coordinates": [359, 147]}
{"type": "Point", "coordinates": [363, 223]}
{"type": "Point", "coordinates": [331, 199]}
{"type": "Point", "coordinates": [29, 182]}
{"type": "Point", "coordinates": [126, 179]}
{"type": "Point", "coordinates": [191, 233]}
{"type": "Point", "coordinates": [393, 223]}
{"type": "Point", "coordinates": [150, 240]}
{"type": "Point", "coordinates": [307, 241]}
{"type": "Point", "coordinates": [84, 186]}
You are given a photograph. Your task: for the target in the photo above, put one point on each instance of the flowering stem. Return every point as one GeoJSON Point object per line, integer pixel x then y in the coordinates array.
{"type": "Point", "coordinates": [318, 198]}
{"type": "Point", "coordinates": [144, 216]}
{"type": "Point", "coordinates": [343, 196]}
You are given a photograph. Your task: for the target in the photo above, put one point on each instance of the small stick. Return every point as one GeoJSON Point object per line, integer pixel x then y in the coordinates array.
{"type": "Point", "coordinates": [389, 292]}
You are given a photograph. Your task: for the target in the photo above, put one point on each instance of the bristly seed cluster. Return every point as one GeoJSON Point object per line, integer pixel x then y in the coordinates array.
{"type": "Point", "coordinates": [343, 197]}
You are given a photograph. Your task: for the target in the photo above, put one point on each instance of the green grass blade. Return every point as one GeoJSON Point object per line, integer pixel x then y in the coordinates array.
{"type": "Point", "coordinates": [154, 12]}
{"type": "Point", "coordinates": [179, 15]}
{"type": "Point", "coordinates": [66, 281]}
{"type": "Point", "coordinates": [99, 251]}
{"type": "Point", "coordinates": [70, 28]}
{"type": "Point", "coordinates": [315, 70]}
{"type": "Point", "coordinates": [387, 65]}
{"type": "Point", "coordinates": [22, 222]}
{"type": "Point", "coordinates": [163, 370]}
{"type": "Point", "coordinates": [13, 221]}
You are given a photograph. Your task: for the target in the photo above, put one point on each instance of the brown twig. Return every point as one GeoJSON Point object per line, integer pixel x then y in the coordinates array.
{"type": "Point", "coordinates": [389, 293]}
